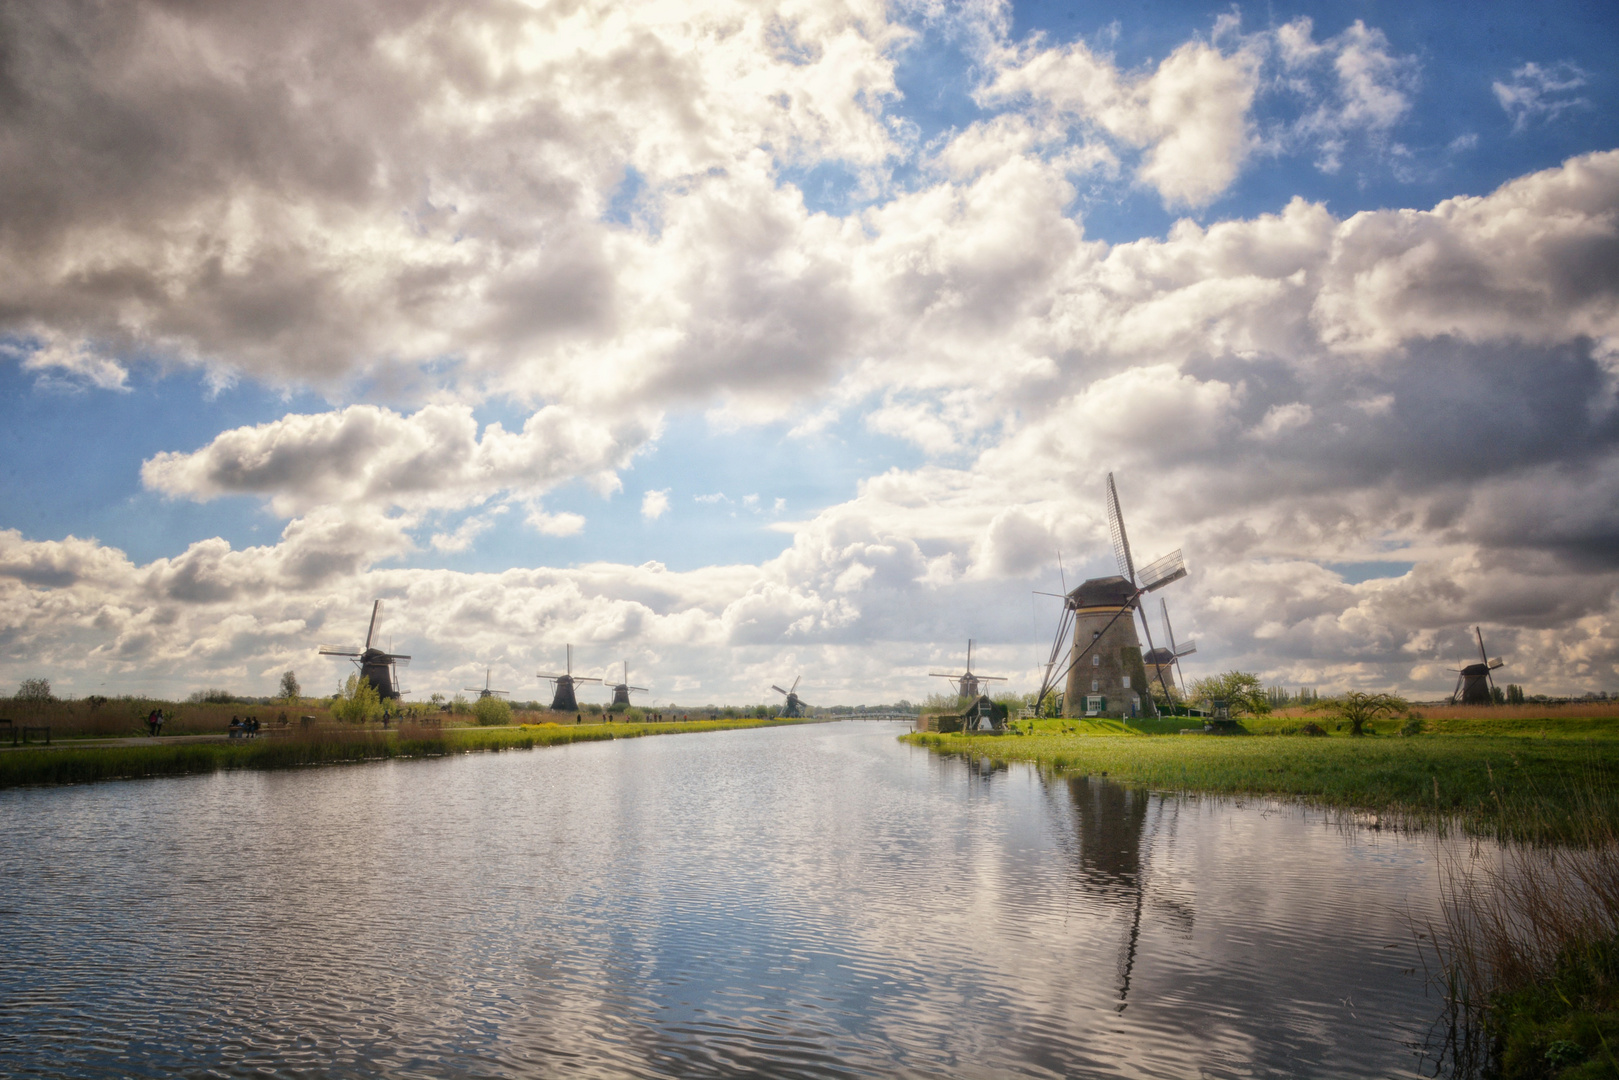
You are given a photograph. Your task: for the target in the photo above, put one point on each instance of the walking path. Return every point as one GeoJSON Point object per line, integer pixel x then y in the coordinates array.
{"type": "Point", "coordinates": [134, 740]}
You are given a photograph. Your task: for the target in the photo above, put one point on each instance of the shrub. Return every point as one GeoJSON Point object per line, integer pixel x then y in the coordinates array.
{"type": "Point", "coordinates": [492, 711]}
{"type": "Point", "coordinates": [1413, 726]}
{"type": "Point", "coordinates": [359, 703]}
{"type": "Point", "coordinates": [1312, 729]}
{"type": "Point", "coordinates": [211, 696]}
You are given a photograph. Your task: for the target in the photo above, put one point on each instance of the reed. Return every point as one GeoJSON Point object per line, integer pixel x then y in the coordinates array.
{"type": "Point", "coordinates": [1526, 952]}
{"type": "Point", "coordinates": [318, 745]}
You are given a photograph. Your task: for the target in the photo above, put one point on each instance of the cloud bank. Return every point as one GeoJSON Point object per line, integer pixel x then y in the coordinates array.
{"type": "Point", "coordinates": [590, 212]}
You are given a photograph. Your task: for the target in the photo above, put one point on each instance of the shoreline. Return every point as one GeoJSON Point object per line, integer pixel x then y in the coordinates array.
{"type": "Point", "coordinates": [1509, 786]}
{"type": "Point", "coordinates": [64, 763]}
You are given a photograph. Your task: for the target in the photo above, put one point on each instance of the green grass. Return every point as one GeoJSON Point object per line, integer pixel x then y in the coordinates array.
{"type": "Point", "coordinates": [86, 764]}
{"type": "Point", "coordinates": [1522, 785]}
{"type": "Point", "coordinates": [1563, 1026]}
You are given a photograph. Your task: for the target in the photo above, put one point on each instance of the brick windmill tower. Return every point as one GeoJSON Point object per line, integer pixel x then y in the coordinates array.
{"type": "Point", "coordinates": [1104, 672]}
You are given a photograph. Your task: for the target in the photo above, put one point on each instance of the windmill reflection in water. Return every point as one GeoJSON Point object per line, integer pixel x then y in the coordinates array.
{"type": "Point", "coordinates": [1111, 846]}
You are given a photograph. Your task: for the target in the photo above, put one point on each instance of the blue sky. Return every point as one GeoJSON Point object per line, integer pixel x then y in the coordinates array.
{"type": "Point", "coordinates": [831, 283]}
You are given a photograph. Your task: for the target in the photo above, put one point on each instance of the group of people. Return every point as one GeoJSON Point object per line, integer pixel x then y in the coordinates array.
{"type": "Point", "coordinates": [154, 722]}
{"type": "Point", "coordinates": [243, 726]}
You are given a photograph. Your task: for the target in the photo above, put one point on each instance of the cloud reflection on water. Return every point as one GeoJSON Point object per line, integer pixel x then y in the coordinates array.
{"type": "Point", "coordinates": [816, 901]}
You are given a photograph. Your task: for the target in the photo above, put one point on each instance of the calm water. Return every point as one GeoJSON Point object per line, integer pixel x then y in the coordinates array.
{"type": "Point", "coordinates": [813, 901]}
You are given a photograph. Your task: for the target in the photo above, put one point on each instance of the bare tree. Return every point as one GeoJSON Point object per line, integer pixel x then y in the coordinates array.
{"type": "Point", "coordinates": [1356, 708]}
{"type": "Point", "coordinates": [35, 690]}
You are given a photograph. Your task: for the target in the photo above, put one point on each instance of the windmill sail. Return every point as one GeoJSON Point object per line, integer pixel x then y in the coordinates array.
{"type": "Point", "coordinates": [1100, 604]}
{"type": "Point", "coordinates": [376, 666]}
{"type": "Point", "coordinates": [1160, 572]}
{"type": "Point", "coordinates": [794, 705]}
{"type": "Point", "coordinates": [967, 682]}
{"type": "Point", "coordinates": [1115, 527]}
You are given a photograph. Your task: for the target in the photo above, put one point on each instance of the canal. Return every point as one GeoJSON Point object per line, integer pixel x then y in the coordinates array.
{"type": "Point", "coordinates": [811, 901]}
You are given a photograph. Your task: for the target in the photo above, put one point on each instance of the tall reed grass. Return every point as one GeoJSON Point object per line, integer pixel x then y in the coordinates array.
{"type": "Point", "coordinates": [316, 745]}
{"type": "Point", "coordinates": [1526, 950]}
{"type": "Point", "coordinates": [1527, 711]}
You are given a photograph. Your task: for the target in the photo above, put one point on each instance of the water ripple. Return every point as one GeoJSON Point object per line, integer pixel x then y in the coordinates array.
{"type": "Point", "coordinates": [805, 902]}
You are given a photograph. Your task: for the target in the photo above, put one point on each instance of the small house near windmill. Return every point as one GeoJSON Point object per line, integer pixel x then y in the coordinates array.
{"type": "Point", "coordinates": [980, 714]}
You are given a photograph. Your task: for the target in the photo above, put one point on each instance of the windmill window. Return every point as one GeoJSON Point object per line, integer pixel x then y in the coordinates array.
{"type": "Point", "coordinates": [1127, 682]}
{"type": "Point", "coordinates": [1096, 660]}
{"type": "Point", "coordinates": [1096, 684]}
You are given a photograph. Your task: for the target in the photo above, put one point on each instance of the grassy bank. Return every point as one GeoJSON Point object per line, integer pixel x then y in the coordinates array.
{"type": "Point", "coordinates": [70, 764]}
{"type": "Point", "coordinates": [1535, 778]}
{"type": "Point", "coordinates": [1527, 951]}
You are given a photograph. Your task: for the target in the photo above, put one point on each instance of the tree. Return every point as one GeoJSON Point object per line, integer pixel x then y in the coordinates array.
{"type": "Point", "coordinates": [1357, 708]}
{"type": "Point", "coordinates": [1243, 692]}
{"type": "Point", "coordinates": [37, 691]}
{"type": "Point", "coordinates": [492, 711]}
{"type": "Point", "coordinates": [359, 703]}
{"type": "Point", "coordinates": [289, 686]}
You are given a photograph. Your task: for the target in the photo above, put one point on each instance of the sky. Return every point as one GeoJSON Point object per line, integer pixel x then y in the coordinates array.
{"type": "Point", "coordinates": [746, 342]}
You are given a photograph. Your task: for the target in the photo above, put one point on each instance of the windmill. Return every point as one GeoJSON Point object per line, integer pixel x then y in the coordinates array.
{"type": "Point", "coordinates": [1106, 658]}
{"type": "Point", "coordinates": [484, 691]}
{"type": "Point", "coordinates": [621, 691]}
{"type": "Point", "coordinates": [794, 705]}
{"type": "Point", "coordinates": [967, 683]}
{"type": "Point", "coordinates": [1474, 686]}
{"type": "Point", "coordinates": [376, 667]}
{"type": "Point", "coordinates": [1162, 660]}
{"type": "Point", "coordinates": [563, 700]}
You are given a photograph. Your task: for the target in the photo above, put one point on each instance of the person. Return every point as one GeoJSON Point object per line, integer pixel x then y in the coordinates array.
{"type": "Point", "coordinates": [151, 722]}
{"type": "Point", "coordinates": [158, 729]}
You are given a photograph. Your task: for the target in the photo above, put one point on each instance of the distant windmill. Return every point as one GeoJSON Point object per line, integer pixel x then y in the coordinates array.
{"type": "Point", "coordinates": [376, 667]}
{"type": "Point", "coordinates": [1162, 660]}
{"type": "Point", "coordinates": [967, 683]}
{"type": "Point", "coordinates": [1105, 668]}
{"type": "Point", "coordinates": [622, 691]}
{"type": "Point", "coordinates": [485, 691]}
{"type": "Point", "coordinates": [794, 706]}
{"type": "Point", "coordinates": [563, 700]}
{"type": "Point", "coordinates": [1474, 686]}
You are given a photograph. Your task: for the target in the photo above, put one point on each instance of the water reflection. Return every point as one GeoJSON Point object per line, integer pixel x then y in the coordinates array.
{"type": "Point", "coordinates": [818, 901]}
{"type": "Point", "coordinates": [1110, 820]}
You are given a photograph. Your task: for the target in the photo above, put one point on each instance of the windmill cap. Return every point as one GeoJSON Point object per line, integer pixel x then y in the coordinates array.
{"type": "Point", "coordinates": [1103, 592]}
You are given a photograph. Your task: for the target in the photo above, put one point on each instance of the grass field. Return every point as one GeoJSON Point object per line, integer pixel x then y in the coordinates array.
{"type": "Point", "coordinates": [1530, 777]}
{"type": "Point", "coordinates": [70, 764]}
